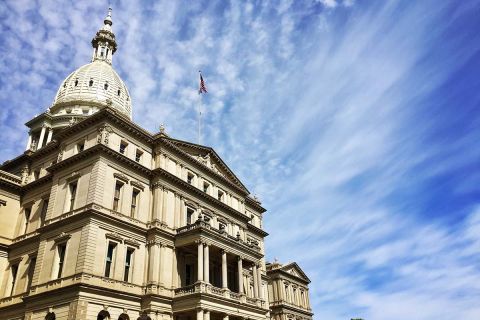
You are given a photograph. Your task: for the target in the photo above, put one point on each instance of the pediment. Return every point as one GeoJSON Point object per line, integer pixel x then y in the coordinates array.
{"type": "Point", "coordinates": [294, 270]}
{"type": "Point", "coordinates": [209, 158]}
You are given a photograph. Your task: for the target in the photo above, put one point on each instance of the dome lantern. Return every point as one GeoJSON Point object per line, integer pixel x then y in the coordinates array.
{"type": "Point", "coordinates": [104, 43]}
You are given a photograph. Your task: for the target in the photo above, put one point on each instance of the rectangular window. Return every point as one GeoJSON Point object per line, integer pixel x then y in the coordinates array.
{"type": "Point", "coordinates": [138, 155]}
{"type": "Point", "coordinates": [72, 187]}
{"type": "Point", "coordinates": [116, 196]}
{"type": "Point", "coordinates": [80, 146]}
{"type": "Point", "coordinates": [36, 174]}
{"type": "Point", "coordinates": [61, 258]}
{"type": "Point", "coordinates": [123, 147]}
{"type": "Point", "coordinates": [43, 213]}
{"type": "Point", "coordinates": [128, 264]}
{"type": "Point", "coordinates": [31, 270]}
{"type": "Point", "coordinates": [190, 212]}
{"type": "Point", "coordinates": [14, 269]}
{"type": "Point", "coordinates": [190, 177]}
{"type": "Point", "coordinates": [205, 187]}
{"type": "Point", "coordinates": [28, 212]}
{"type": "Point", "coordinates": [109, 259]}
{"type": "Point", "coordinates": [134, 204]}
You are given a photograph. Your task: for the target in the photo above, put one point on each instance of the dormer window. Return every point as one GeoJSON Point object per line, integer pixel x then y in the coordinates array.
{"type": "Point", "coordinates": [123, 147]}
{"type": "Point", "coordinates": [76, 82]}
{"type": "Point", "coordinates": [118, 92]}
{"type": "Point", "coordinates": [138, 155]}
{"type": "Point", "coordinates": [80, 146]}
{"type": "Point", "coordinates": [90, 83]}
{"type": "Point", "coordinates": [190, 177]}
{"type": "Point", "coordinates": [206, 186]}
{"type": "Point", "coordinates": [105, 86]}
{"type": "Point", "coordinates": [65, 84]}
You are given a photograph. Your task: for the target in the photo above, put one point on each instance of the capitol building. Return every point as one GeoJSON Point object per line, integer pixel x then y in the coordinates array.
{"type": "Point", "coordinates": [101, 219]}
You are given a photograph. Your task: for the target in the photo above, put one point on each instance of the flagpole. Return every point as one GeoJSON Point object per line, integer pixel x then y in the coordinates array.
{"type": "Point", "coordinates": [201, 90]}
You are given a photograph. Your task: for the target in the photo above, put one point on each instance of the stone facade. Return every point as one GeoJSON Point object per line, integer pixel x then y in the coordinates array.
{"type": "Point", "coordinates": [100, 219]}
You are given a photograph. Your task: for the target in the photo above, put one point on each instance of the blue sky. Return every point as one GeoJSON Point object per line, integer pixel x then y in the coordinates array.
{"type": "Point", "coordinates": [356, 122]}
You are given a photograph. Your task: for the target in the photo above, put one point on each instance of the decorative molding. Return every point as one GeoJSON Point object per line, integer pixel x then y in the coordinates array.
{"type": "Point", "coordinates": [62, 237]}
{"type": "Point", "coordinates": [114, 236]}
{"type": "Point", "coordinates": [73, 176]}
{"type": "Point", "coordinates": [121, 176]}
{"type": "Point", "coordinates": [137, 184]}
{"type": "Point", "coordinates": [132, 243]}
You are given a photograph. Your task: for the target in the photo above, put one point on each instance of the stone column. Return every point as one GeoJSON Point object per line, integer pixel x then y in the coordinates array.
{"type": "Point", "coordinates": [50, 133]}
{"type": "Point", "coordinates": [224, 269]}
{"type": "Point", "coordinates": [259, 282]}
{"type": "Point", "coordinates": [206, 260]}
{"type": "Point", "coordinates": [199, 314]}
{"type": "Point", "coordinates": [161, 262]}
{"type": "Point", "coordinates": [200, 261]}
{"type": "Point", "coordinates": [29, 143]}
{"type": "Point", "coordinates": [157, 202]}
{"type": "Point", "coordinates": [240, 275]}
{"type": "Point", "coordinates": [206, 315]}
{"type": "Point", "coordinates": [255, 281]}
{"type": "Point", "coordinates": [42, 136]}
{"type": "Point", "coordinates": [153, 263]}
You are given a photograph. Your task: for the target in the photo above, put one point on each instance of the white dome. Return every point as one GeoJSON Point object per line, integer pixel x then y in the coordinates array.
{"type": "Point", "coordinates": [92, 85]}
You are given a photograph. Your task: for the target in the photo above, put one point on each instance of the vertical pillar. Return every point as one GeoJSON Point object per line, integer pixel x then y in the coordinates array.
{"type": "Point", "coordinates": [206, 315]}
{"type": "Point", "coordinates": [29, 143]}
{"type": "Point", "coordinates": [50, 133]}
{"type": "Point", "coordinates": [224, 269]}
{"type": "Point", "coordinates": [42, 136]}
{"type": "Point", "coordinates": [255, 281]}
{"type": "Point", "coordinates": [259, 282]}
{"type": "Point", "coordinates": [157, 201]}
{"type": "Point", "coordinates": [174, 269]}
{"type": "Point", "coordinates": [199, 314]}
{"type": "Point", "coordinates": [240, 275]}
{"type": "Point", "coordinates": [206, 260]}
{"type": "Point", "coordinates": [200, 261]}
{"type": "Point", "coordinates": [161, 262]}
{"type": "Point", "coordinates": [153, 269]}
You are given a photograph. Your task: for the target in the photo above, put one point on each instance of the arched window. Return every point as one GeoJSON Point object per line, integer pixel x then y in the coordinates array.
{"type": "Point", "coordinates": [50, 316]}
{"type": "Point", "coordinates": [103, 315]}
{"type": "Point", "coordinates": [90, 83]}
{"type": "Point", "coordinates": [124, 316]}
{"type": "Point", "coordinates": [105, 86]}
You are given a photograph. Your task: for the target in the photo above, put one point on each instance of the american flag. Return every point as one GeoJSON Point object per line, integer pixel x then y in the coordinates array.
{"type": "Point", "coordinates": [202, 88]}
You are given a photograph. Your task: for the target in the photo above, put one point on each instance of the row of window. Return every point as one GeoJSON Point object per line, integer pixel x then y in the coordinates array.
{"type": "Point", "coordinates": [117, 196]}
{"type": "Point", "coordinates": [90, 84]}
{"type": "Point", "coordinates": [110, 261]}
{"type": "Point", "coordinates": [123, 150]}
{"type": "Point", "coordinates": [205, 187]}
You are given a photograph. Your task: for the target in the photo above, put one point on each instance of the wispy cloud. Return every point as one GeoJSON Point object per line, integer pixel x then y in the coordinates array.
{"type": "Point", "coordinates": [355, 122]}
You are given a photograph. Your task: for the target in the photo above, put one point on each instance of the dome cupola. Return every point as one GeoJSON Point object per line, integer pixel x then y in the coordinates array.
{"type": "Point", "coordinates": [94, 85]}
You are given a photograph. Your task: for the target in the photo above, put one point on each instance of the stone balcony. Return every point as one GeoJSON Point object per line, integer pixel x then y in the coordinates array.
{"type": "Point", "coordinates": [202, 288]}
{"type": "Point", "coordinates": [202, 230]}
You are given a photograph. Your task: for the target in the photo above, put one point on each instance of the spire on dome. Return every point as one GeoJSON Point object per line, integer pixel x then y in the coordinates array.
{"type": "Point", "coordinates": [104, 44]}
{"type": "Point", "coordinates": [108, 18]}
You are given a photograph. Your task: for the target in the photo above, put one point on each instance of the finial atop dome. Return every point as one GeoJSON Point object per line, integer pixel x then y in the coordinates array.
{"type": "Point", "coordinates": [104, 44]}
{"type": "Point", "coordinates": [108, 18]}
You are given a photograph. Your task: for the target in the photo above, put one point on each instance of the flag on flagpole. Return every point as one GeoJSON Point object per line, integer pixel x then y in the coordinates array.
{"type": "Point", "coordinates": [202, 88]}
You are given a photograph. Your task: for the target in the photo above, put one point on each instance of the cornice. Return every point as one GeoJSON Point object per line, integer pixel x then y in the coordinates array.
{"type": "Point", "coordinates": [254, 204]}
{"type": "Point", "coordinates": [257, 230]}
{"type": "Point", "coordinates": [99, 149]}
